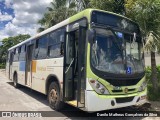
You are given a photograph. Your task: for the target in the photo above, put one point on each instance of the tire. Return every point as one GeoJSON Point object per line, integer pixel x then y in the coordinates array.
{"type": "Point", "coordinates": [54, 97]}
{"type": "Point", "coordinates": [15, 79]}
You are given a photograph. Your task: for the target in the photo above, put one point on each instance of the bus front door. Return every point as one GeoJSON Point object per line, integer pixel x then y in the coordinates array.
{"type": "Point", "coordinates": [74, 68]}
{"type": "Point", "coordinates": [69, 64]}
{"type": "Point", "coordinates": [28, 78]}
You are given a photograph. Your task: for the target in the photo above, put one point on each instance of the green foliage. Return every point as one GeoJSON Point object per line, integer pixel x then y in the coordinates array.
{"type": "Point", "coordinates": [102, 4]}
{"type": "Point", "coordinates": [9, 42]}
{"type": "Point", "coordinates": [149, 72]}
{"type": "Point", "coordinates": [147, 14]}
{"type": "Point", "coordinates": [62, 9]}
{"type": "Point", "coordinates": [151, 95]}
{"type": "Point", "coordinates": [59, 11]}
{"type": "Point", "coordinates": [2, 65]}
{"type": "Point", "coordinates": [117, 6]}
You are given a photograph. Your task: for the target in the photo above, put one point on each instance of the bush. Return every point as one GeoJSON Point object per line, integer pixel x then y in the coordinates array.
{"type": "Point", "coordinates": [151, 95]}
{"type": "Point", "coordinates": [2, 66]}
{"type": "Point", "coordinates": [149, 71]}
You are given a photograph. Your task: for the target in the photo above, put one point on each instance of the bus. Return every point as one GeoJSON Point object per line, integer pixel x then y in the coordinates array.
{"type": "Point", "coordinates": [93, 60]}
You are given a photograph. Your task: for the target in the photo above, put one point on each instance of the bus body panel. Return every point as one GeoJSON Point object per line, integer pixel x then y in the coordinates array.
{"type": "Point", "coordinates": [21, 72]}
{"type": "Point", "coordinates": [15, 69]}
{"type": "Point", "coordinates": [41, 69]}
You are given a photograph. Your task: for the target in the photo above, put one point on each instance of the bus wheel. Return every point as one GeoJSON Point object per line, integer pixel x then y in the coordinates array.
{"type": "Point", "coordinates": [16, 85]}
{"type": "Point", "coordinates": [54, 96]}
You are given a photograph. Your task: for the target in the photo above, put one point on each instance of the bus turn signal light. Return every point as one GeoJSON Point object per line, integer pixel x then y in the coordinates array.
{"type": "Point", "coordinates": [92, 81]}
{"type": "Point", "coordinates": [98, 87]}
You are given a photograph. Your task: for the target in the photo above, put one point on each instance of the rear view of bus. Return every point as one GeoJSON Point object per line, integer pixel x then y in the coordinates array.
{"type": "Point", "coordinates": [111, 70]}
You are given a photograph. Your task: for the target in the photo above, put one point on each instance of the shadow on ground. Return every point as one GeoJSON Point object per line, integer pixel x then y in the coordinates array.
{"type": "Point", "coordinates": [72, 112]}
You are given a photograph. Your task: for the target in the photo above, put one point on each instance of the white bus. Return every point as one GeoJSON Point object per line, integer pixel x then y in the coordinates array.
{"type": "Point", "coordinates": [92, 60]}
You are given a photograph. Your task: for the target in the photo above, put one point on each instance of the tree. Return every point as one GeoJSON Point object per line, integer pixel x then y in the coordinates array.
{"type": "Point", "coordinates": [116, 6]}
{"type": "Point", "coordinates": [83, 4]}
{"type": "Point", "coordinates": [147, 14]}
{"type": "Point", "coordinates": [9, 42]}
{"type": "Point", "coordinates": [59, 11]}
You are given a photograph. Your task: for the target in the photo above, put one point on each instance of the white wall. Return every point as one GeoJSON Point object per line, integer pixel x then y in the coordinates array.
{"type": "Point", "coordinates": [148, 59]}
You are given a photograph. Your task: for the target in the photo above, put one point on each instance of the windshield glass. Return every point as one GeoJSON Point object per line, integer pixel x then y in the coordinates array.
{"type": "Point", "coordinates": [108, 55]}
{"type": "Point", "coordinates": [134, 54]}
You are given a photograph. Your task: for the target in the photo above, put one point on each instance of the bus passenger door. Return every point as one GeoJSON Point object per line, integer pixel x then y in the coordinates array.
{"type": "Point", "coordinates": [28, 80]}
{"type": "Point", "coordinates": [74, 68]}
{"type": "Point", "coordinates": [68, 74]}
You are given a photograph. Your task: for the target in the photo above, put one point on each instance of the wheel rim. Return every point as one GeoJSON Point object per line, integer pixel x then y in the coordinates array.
{"type": "Point", "coordinates": [53, 97]}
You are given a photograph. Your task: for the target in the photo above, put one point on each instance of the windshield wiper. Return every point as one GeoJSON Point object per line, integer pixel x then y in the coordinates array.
{"type": "Point", "coordinates": [121, 48]}
{"type": "Point", "coordinates": [111, 29]}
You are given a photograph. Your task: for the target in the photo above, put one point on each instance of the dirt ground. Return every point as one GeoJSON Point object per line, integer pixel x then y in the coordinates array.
{"type": "Point", "coordinates": [155, 105]}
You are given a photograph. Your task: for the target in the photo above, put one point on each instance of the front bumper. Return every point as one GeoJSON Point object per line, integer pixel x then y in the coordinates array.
{"type": "Point", "coordinates": [95, 102]}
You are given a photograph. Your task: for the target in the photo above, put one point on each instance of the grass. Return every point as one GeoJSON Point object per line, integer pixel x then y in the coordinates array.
{"type": "Point", "coordinates": [2, 66]}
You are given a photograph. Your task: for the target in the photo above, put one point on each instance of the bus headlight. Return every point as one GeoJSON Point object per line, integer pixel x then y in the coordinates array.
{"type": "Point", "coordinates": [143, 86]}
{"type": "Point", "coordinates": [102, 90]}
{"type": "Point", "coordinates": [98, 87]}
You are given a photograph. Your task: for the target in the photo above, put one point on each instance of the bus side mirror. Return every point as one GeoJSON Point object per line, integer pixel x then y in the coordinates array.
{"type": "Point", "coordinates": [91, 34]}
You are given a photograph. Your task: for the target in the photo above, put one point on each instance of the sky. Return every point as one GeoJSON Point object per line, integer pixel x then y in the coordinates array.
{"type": "Point", "coordinates": [21, 16]}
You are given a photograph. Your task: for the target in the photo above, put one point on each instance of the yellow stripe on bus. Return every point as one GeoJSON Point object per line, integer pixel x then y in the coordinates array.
{"type": "Point", "coordinates": [34, 63]}
{"type": "Point", "coordinates": [73, 102]}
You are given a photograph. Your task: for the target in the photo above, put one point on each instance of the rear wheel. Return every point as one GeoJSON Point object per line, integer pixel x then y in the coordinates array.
{"type": "Point", "coordinates": [15, 81]}
{"type": "Point", "coordinates": [54, 96]}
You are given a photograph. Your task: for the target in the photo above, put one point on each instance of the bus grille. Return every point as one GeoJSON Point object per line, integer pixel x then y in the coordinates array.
{"type": "Point", "coordinates": [123, 100]}
{"type": "Point", "coordinates": [123, 82]}
{"type": "Point", "coordinates": [129, 90]}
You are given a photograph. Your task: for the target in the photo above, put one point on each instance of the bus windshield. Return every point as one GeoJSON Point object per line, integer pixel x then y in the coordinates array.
{"type": "Point", "coordinates": [107, 57]}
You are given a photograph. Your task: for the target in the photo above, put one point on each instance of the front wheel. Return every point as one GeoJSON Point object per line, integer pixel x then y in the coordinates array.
{"type": "Point", "coordinates": [54, 96]}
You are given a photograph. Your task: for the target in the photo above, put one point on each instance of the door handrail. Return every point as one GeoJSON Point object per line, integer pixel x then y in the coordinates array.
{"type": "Point", "coordinates": [69, 66]}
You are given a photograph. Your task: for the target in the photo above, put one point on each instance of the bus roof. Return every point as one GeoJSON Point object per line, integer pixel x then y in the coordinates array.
{"type": "Point", "coordinates": [85, 13]}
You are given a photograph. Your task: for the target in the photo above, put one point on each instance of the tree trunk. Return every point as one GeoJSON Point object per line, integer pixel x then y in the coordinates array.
{"type": "Point", "coordinates": [154, 78]}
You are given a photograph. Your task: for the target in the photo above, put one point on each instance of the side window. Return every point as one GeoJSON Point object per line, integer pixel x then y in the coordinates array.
{"type": "Point", "coordinates": [23, 49]}
{"type": "Point", "coordinates": [19, 49]}
{"type": "Point", "coordinates": [56, 43]}
{"type": "Point", "coordinates": [11, 57]}
{"type": "Point", "coordinates": [41, 48]}
{"type": "Point", "coordinates": [16, 54]}
{"type": "Point", "coordinates": [22, 53]}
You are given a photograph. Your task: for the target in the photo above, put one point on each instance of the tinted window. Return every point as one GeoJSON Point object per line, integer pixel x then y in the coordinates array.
{"type": "Point", "coordinates": [23, 49]}
{"type": "Point", "coordinates": [16, 54]}
{"type": "Point", "coordinates": [114, 21]}
{"type": "Point", "coordinates": [22, 54]}
{"type": "Point", "coordinates": [41, 47]}
{"type": "Point", "coordinates": [19, 49]}
{"type": "Point", "coordinates": [55, 44]}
